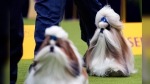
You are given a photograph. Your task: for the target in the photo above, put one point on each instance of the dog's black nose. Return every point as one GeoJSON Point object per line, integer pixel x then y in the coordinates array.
{"type": "Point", "coordinates": [102, 29]}
{"type": "Point", "coordinates": [52, 49]}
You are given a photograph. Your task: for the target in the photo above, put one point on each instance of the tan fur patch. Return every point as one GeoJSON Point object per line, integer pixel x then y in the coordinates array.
{"type": "Point", "coordinates": [65, 46]}
{"type": "Point", "coordinates": [84, 73]}
{"type": "Point", "coordinates": [45, 43]}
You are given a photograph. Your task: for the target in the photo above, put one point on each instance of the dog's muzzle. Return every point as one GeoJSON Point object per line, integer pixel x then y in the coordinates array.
{"type": "Point", "coordinates": [102, 29]}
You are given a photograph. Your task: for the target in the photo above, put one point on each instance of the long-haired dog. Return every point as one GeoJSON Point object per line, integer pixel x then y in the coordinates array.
{"type": "Point", "coordinates": [109, 53]}
{"type": "Point", "coordinates": [58, 61]}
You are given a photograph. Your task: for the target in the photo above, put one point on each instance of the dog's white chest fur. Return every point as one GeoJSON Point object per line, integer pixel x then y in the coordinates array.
{"type": "Point", "coordinates": [51, 79]}
{"type": "Point", "coordinates": [52, 70]}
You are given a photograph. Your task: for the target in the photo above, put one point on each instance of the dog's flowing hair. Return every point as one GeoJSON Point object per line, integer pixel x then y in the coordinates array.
{"type": "Point", "coordinates": [58, 61]}
{"type": "Point", "coordinates": [109, 53]}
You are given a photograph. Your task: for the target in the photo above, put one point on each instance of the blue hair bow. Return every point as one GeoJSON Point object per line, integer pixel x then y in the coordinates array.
{"type": "Point", "coordinates": [53, 38]}
{"type": "Point", "coordinates": [104, 20]}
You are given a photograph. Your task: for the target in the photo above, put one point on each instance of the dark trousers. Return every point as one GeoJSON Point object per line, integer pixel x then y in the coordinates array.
{"type": "Point", "coordinates": [16, 38]}
{"type": "Point", "coordinates": [50, 12]}
{"type": "Point", "coordinates": [4, 36]}
{"type": "Point", "coordinates": [68, 10]}
{"type": "Point", "coordinates": [25, 8]}
{"type": "Point", "coordinates": [87, 10]}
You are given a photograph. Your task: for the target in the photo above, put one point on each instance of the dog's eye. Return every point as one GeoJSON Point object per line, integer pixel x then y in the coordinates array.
{"type": "Point", "coordinates": [57, 44]}
{"type": "Point", "coordinates": [35, 63]}
{"type": "Point", "coordinates": [108, 27]}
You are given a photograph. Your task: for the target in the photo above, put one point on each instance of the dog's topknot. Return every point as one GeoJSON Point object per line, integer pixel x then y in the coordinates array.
{"type": "Point", "coordinates": [111, 17]}
{"type": "Point", "coordinates": [56, 31]}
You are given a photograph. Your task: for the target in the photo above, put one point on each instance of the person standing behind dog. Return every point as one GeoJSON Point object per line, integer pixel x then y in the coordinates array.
{"type": "Point", "coordinates": [16, 38]}
{"type": "Point", "coordinates": [50, 12]}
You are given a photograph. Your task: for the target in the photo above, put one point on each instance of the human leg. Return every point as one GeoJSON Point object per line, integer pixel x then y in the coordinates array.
{"type": "Point", "coordinates": [16, 38]}
{"type": "Point", "coordinates": [49, 13]}
{"type": "Point", "coordinates": [87, 10]}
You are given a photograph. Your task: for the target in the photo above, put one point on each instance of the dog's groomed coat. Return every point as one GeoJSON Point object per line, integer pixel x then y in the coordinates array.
{"type": "Point", "coordinates": [109, 53]}
{"type": "Point", "coordinates": [58, 61]}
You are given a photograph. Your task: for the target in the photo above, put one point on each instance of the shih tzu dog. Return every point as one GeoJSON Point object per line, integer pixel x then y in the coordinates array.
{"type": "Point", "coordinates": [109, 53]}
{"type": "Point", "coordinates": [58, 61]}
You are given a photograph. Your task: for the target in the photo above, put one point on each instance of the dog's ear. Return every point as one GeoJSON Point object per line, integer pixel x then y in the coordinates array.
{"type": "Point", "coordinates": [45, 43]}
{"type": "Point", "coordinates": [73, 68]}
{"type": "Point", "coordinates": [74, 62]}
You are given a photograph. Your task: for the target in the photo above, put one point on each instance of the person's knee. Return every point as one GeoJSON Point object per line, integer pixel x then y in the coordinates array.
{"type": "Point", "coordinates": [50, 10]}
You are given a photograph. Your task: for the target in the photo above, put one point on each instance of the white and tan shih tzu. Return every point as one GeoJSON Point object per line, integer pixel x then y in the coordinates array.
{"type": "Point", "coordinates": [58, 61]}
{"type": "Point", "coordinates": [109, 53]}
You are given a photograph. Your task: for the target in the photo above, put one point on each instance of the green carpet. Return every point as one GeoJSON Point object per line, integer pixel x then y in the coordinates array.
{"type": "Point", "coordinates": [133, 79]}
{"type": "Point", "coordinates": [72, 27]}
